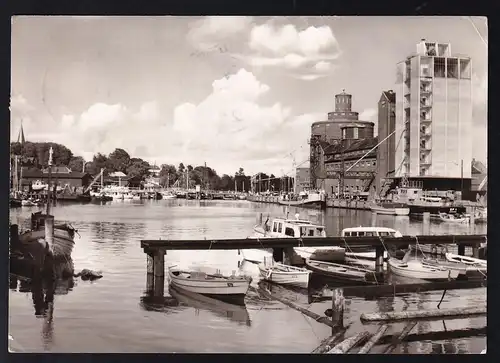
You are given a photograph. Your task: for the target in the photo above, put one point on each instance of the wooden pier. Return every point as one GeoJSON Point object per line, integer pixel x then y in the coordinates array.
{"type": "Point", "coordinates": [156, 249]}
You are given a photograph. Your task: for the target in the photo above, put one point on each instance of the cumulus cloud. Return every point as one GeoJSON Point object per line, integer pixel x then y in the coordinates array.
{"type": "Point", "coordinates": [370, 114]}
{"type": "Point", "coordinates": [307, 50]}
{"type": "Point", "coordinates": [479, 89]}
{"type": "Point", "coordinates": [231, 128]}
{"type": "Point", "coordinates": [19, 105]}
{"type": "Point", "coordinates": [207, 33]}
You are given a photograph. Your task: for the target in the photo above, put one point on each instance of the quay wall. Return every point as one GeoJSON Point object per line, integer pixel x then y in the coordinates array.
{"type": "Point", "coordinates": [331, 203]}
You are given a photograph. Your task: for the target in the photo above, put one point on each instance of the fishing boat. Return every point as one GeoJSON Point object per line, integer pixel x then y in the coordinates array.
{"type": "Point", "coordinates": [310, 199]}
{"type": "Point", "coordinates": [215, 285]}
{"type": "Point", "coordinates": [168, 195]}
{"type": "Point", "coordinates": [390, 208]}
{"type": "Point", "coordinates": [421, 270]}
{"type": "Point", "coordinates": [284, 274]}
{"type": "Point", "coordinates": [344, 274]}
{"type": "Point", "coordinates": [292, 228]}
{"type": "Point", "coordinates": [64, 233]}
{"type": "Point", "coordinates": [453, 218]}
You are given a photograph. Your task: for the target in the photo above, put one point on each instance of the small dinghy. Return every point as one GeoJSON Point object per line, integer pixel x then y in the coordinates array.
{"type": "Point", "coordinates": [421, 270]}
{"type": "Point", "coordinates": [470, 261]}
{"type": "Point", "coordinates": [284, 274]}
{"type": "Point", "coordinates": [344, 274]}
{"type": "Point", "coordinates": [215, 285]}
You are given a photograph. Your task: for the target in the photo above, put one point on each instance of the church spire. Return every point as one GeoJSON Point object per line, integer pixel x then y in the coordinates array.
{"type": "Point", "coordinates": [20, 137]}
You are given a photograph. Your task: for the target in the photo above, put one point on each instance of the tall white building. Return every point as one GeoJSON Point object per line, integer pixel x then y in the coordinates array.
{"type": "Point", "coordinates": [433, 114]}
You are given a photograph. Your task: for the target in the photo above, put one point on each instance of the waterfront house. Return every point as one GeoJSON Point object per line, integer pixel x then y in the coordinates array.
{"type": "Point", "coordinates": [61, 176]}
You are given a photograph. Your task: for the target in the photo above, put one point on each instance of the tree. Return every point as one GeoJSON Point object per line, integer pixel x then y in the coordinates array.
{"type": "Point", "coordinates": [99, 161]}
{"type": "Point", "coordinates": [189, 168]}
{"type": "Point", "coordinates": [181, 168]}
{"type": "Point", "coordinates": [119, 160]}
{"type": "Point", "coordinates": [240, 172]}
{"type": "Point", "coordinates": [138, 168]}
{"type": "Point", "coordinates": [76, 163]}
{"type": "Point", "coordinates": [168, 173]}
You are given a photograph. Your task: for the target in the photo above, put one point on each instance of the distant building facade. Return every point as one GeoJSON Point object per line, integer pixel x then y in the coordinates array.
{"type": "Point", "coordinates": [340, 160]}
{"type": "Point", "coordinates": [434, 118]}
{"type": "Point", "coordinates": [386, 162]}
{"type": "Point", "coordinates": [61, 176]}
{"type": "Point", "coordinates": [302, 180]}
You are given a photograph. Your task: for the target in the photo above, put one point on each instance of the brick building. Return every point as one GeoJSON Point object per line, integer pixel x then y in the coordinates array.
{"type": "Point", "coordinates": [61, 176]}
{"type": "Point", "coordinates": [386, 164]}
{"type": "Point", "coordinates": [302, 180]}
{"type": "Point", "coordinates": [341, 159]}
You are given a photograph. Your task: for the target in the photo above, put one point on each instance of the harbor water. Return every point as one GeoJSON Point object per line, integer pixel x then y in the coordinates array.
{"type": "Point", "coordinates": [113, 314]}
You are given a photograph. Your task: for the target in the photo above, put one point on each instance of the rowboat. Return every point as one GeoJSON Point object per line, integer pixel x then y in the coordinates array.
{"type": "Point", "coordinates": [284, 274]}
{"type": "Point", "coordinates": [420, 270]}
{"type": "Point", "coordinates": [452, 218]}
{"type": "Point", "coordinates": [470, 261]}
{"type": "Point", "coordinates": [342, 273]}
{"type": "Point", "coordinates": [211, 285]}
{"type": "Point", "coordinates": [389, 208]}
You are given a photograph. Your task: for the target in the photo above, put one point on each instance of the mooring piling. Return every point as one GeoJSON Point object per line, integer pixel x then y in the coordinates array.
{"type": "Point", "coordinates": [49, 231]}
{"type": "Point", "coordinates": [159, 272]}
{"type": "Point", "coordinates": [150, 272]}
{"type": "Point", "coordinates": [338, 305]}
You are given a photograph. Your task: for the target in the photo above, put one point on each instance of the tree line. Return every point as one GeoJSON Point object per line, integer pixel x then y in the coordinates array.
{"type": "Point", "coordinates": [36, 155]}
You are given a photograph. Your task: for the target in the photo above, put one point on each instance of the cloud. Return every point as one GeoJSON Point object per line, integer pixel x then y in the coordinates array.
{"type": "Point", "coordinates": [19, 105]}
{"type": "Point", "coordinates": [231, 128]}
{"type": "Point", "coordinates": [369, 114]}
{"type": "Point", "coordinates": [307, 52]}
{"type": "Point", "coordinates": [207, 33]}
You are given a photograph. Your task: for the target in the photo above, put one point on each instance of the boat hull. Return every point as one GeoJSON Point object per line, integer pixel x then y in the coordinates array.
{"type": "Point", "coordinates": [63, 240]}
{"type": "Point", "coordinates": [216, 287]}
{"type": "Point", "coordinates": [317, 204]}
{"type": "Point", "coordinates": [295, 277]}
{"type": "Point", "coordinates": [342, 274]}
{"type": "Point", "coordinates": [417, 270]}
{"type": "Point", "coordinates": [403, 211]}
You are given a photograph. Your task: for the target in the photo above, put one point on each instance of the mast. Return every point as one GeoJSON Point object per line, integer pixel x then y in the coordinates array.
{"type": "Point", "coordinates": [50, 176]}
{"type": "Point", "coordinates": [102, 180]}
{"type": "Point", "coordinates": [16, 175]}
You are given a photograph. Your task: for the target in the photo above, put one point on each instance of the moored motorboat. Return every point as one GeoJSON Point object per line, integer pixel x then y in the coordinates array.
{"type": "Point", "coordinates": [344, 274]}
{"type": "Point", "coordinates": [390, 208]}
{"type": "Point", "coordinates": [310, 199]}
{"type": "Point", "coordinates": [209, 284]}
{"type": "Point", "coordinates": [453, 218]}
{"type": "Point", "coordinates": [284, 274]}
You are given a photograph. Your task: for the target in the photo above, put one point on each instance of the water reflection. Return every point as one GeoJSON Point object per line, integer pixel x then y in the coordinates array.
{"type": "Point", "coordinates": [233, 312]}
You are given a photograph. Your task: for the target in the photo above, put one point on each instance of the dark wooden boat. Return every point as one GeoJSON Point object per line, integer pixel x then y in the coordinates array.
{"type": "Point", "coordinates": [344, 274]}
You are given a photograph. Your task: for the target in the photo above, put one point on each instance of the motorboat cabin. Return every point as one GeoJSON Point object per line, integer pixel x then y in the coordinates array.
{"type": "Point", "coordinates": [294, 228]}
{"type": "Point", "coordinates": [370, 232]}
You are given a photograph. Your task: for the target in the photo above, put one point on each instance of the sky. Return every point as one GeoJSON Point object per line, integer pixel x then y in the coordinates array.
{"type": "Point", "coordinates": [229, 91]}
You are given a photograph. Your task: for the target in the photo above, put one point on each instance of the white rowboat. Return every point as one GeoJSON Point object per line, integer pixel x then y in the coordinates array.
{"type": "Point", "coordinates": [211, 285]}
{"type": "Point", "coordinates": [284, 274]}
{"type": "Point", "coordinates": [418, 270]}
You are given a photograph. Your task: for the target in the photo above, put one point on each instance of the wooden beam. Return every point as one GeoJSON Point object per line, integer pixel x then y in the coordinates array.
{"type": "Point", "coordinates": [349, 343]}
{"type": "Point", "coordinates": [352, 242]}
{"type": "Point", "coordinates": [328, 343]}
{"type": "Point", "coordinates": [374, 339]}
{"type": "Point", "coordinates": [374, 291]}
{"type": "Point", "coordinates": [407, 329]}
{"type": "Point", "coordinates": [424, 314]}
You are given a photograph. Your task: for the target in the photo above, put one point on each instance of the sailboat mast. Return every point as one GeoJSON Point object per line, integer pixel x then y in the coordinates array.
{"type": "Point", "coordinates": [50, 177]}
{"type": "Point", "coordinates": [102, 178]}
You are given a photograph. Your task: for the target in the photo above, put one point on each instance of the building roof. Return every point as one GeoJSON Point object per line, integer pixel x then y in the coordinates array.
{"type": "Point", "coordinates": [34, 173]}
{"type": "Point", "coordinates": [117, 174]}
{"type": "Point", "coordinates": [390, 95]}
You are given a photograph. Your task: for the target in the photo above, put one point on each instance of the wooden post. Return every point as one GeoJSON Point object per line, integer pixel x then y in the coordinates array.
{"type": "Point", "coordinates": [374, 219]}
{"type": "Point", "coordinates": [379, 259]}
{"type": "Point", "coordinates": [14, 236]}
{"type": "Point", "coordinates": [159, 272]}
{"type": "Point", "coordinates": [472, 218]}
{"type": "Point", "coordinates": [49, 232]}
{"type": "Point", "coordinates": [349, 343]}
{"type": "Point", "coordinates": [338, 305]}
{"type": "Point", "coordinates": [461, 250]}
{"type": "Point", "coordinates": [426, 223]}
{"type": "Point", "coordinates": [149, 272]}
{"type": "Point", "coordinates": [475, 251]}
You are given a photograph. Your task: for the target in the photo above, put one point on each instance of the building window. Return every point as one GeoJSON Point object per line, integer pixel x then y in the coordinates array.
{"type": "Point", "coordinates": [465, 68]}
{"type": "Point", "coordinates": [452, 67]}
{"type": "Point", "coordinates": [439, 67]}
